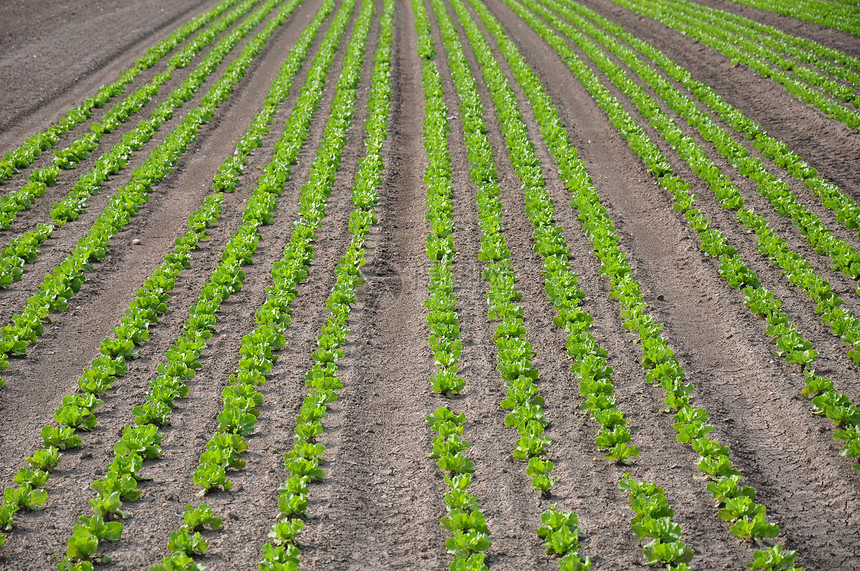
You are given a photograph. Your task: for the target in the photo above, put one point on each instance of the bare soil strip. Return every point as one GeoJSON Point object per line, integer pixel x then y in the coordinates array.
{"type": "Point", "coordinates": [379, 479]}
{"type": "Point", "coordinates": [55, 54]}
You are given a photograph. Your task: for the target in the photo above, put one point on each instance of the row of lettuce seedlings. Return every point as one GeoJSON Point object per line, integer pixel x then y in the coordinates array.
{"type": "Point", "coordinates": [463, 517]}
{"type": "Point", "coordinates": [778, 43]}
{"type": "Point", "coordinates": [239, 414]}
{"type": "Point", "coordinates": [790, 343]}
{"type": "Point", "coordinates": [12, 203]}
{"type": "Point", "coordinates": [75, 203]}
{"type": "Point", "coordinates": [65, 280]}
{"type": "Point", "coordinates": [302, 462]}
{"type": "Point", "coordinates": [24, 155]}
{"type": "Point", "coordinates": [235, 422]}
{"type": "Point", "coordinates": [78, 411]}
{"type": "Point", "coordinates": [843, 256]}
{"type": "Point", "coordinates": [797, 46]}
{"type": "Point", "coordinates": [658, 361]}
{"type": "Point", "coordinates": [737, 501]}
{"type": "Point", "coordinates": [751, 46]}
{"type": "Point", "coordinates": [705, 33]}
{"type": "Point", "coordinates": [559, 530]}
{"type": "Point", "coordinates": [777, 53]}
{"type": "Point", "coordinates": [239, 404]}
{"type": "Point", "coordinates": [241, 399]}
{"type": "Point", "coordinates": [842, 14]}
{"type": "Point", "coordinates": [846, 210]}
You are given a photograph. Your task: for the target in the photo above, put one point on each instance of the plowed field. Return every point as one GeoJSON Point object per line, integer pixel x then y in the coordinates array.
{"type": "Point", "coordinates": [746, 372]}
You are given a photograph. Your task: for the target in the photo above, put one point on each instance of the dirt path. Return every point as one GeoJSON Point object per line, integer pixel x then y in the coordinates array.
{"type": "Point", "coordinates": [55, 54]}
{"type": "Point", "coordinates": [380, 479]}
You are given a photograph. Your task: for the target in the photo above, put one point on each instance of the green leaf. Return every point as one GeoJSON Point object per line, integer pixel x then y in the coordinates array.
{"type": "Point", "coordinates": [82, 544]}
{"type": "Point", "coordinates": [34, 478]}
{"type": "Point", "coordinates": [197, 518]}
{"type": "Point", "coordinates": [773, 558]}
{"type": "Point", "coordinates": [755, 528]}
{"type": "Point", "coordinates": [103, 506]}
{"type": "Point", "coordinates": [285, 531]}
{"type": "Point", "coordinates": [621, 453]}
{"type": "Point", "coordinates": [455, 464]}
{"type": "Point", "coordinates": [671, 552]}
{"type": "Point", "coordinates": [210, 476]}
{"type": "Point", "coordinates": [475, 562]}
{"type": "Point", "coordinates": [61, 438]}
{"type": "Point", "coordinates": [184, 541]}
{"type": "Point", "coordinates": [464, 543]}
{"type": "Point", "coordinates": [305, 467]}
{"type": "Point", "coordinates": [110, 531]}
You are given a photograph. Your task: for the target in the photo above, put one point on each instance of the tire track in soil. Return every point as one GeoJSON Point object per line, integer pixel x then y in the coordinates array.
{"type": "Point", "coordinates": [827, 145]}
{"type": "Point", "coordinates": [64, 239]}
{"type": "Point", "coordinates": [606, 526]}
{"type": "Point", "coordinates": [784, 452]}
{"type": "Point", "coordinates": [380, 505]}
{"type": "Point", "coordinates": [74, 56]}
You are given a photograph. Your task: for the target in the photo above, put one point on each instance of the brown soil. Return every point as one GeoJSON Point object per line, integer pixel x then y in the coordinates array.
{"type": "Point", "coordinates": [382, 501]}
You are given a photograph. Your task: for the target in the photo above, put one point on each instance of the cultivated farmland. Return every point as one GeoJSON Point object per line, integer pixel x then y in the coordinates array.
{"type": "Point", "coordinates": [430, 284]}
